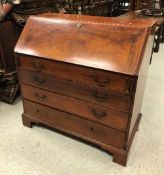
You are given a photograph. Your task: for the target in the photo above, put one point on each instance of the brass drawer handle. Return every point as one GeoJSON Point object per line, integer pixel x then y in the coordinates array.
{"type": "Point", "coordinates": [100, 82]}
{"type": "Point", "coordinates": [100, 97]}
{"type": "Point", "coordinates": [40, 97]}
{"type": "Point", "coordinates": [37, 66]}
{"type": "Point", "coordinates": [98, 114]}
{"type": "Point", "coordinates": [39, 80]}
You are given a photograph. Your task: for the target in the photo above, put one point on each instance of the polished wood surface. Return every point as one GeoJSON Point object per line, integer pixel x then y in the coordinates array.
{"type": "Point", "coordinates": [98, 79]}
{"type": "Point", "coordinates": [100, 96]}
{"type": "Point", "coordinates": [138, 14]}
{"type": "Point", "coordinates": [75, 124]}
{"type": "Point", "coordinates": [85, 40]}
{"type": "Point", "coordinates": [89, 111]}
{"type": "Point", "coordinates": [159, 31]}
{"type": "Point", "coordinates": [87, 84]}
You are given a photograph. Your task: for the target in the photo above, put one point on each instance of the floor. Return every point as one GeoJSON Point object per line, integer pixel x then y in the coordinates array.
{"type": "Point", "coordinates": [39, 151]}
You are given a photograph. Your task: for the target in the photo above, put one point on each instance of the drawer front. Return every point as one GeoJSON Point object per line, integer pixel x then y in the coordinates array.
{"type": "Point", "coordinates": [89, 111]}
{"type": "Point", "coordinates": [75, 124]}
{"type": "Point", "coordinates": [76, 90]}
{"type": "Point", "coordinates": [91, 77]}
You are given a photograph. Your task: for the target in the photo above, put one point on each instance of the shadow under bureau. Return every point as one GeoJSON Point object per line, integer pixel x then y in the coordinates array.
{"type": "Point", "coordinates": [85, 76]}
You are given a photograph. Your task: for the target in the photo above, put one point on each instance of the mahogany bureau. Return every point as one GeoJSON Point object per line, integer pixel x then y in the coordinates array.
{"type": "Point", "coordinates": [85, 76]}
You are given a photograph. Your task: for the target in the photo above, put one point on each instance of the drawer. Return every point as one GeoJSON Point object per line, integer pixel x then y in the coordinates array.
{"type": "Point", "coordinates": [80, 108]}
{"type": "Point", "coordinates": [75, 124]}
{"type": "Point", "coordinates": [91, 77]}
{"type": "Point", "coordinates": [76, 90]}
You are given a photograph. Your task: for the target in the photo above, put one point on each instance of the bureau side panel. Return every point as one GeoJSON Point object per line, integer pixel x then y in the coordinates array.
{"type": "Point", "coordinates": [141, 84]}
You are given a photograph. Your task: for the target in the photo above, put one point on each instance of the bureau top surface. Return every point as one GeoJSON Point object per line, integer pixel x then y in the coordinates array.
{"type": "Point", "coordinates": [139, 14]}
{"type": "Point", "coordinates": [103, 43]}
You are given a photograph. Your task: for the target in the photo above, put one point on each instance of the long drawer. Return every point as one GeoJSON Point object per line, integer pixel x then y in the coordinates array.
{"type": "Point", "coordinates": [89, 76]}
{"type": "Point", "coordinates": [98, 96]}
{"type": "Point", "coordinates": [86, 110]}
{"type": "Point", "coordinates": [74, 124]}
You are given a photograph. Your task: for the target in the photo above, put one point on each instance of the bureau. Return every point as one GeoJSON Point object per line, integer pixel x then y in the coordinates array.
{"type": "Point", "coordinates": [85, 76]}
